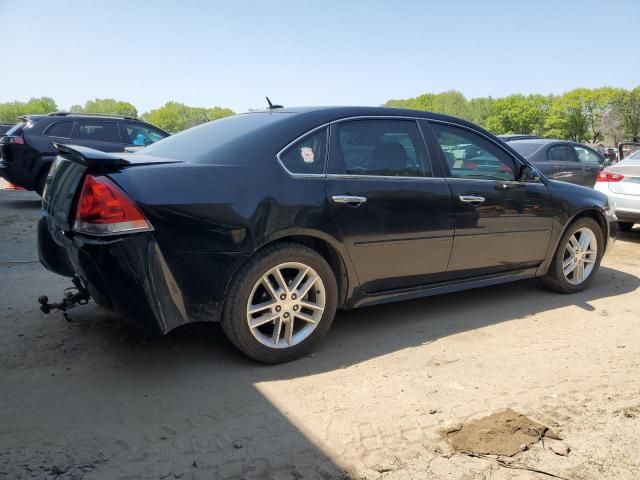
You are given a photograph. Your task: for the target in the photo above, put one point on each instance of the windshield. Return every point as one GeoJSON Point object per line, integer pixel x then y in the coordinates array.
{"type": "Point", "coordinates": [524, 148]}
{"type": "Point", "coordinates": [197, 142]}
{"type": "Point", "coordinates": [634, 157]}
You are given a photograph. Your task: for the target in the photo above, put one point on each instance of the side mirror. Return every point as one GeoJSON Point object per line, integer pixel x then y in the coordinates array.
{"type": "Point", "coordinates": [528, 174]}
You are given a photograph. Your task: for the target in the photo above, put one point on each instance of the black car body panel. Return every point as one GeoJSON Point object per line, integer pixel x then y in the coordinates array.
{"type": "Point", "coordinates": [211, 212]}
{"type": "Point", "coordinates": [26, 163]}
{"type": "Point", "coordinates": [562, 160]}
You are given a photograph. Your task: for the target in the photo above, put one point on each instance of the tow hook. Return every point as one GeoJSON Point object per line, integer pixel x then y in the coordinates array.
{"type": "Point", "coordinates": [76, 295]}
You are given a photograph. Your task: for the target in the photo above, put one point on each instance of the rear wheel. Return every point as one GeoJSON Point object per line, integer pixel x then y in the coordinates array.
{"type": "Point", "coordinates": [281, 303]}
{"type": "Point", "coordinates": [625, 226]}
{"type": "Point", "coordinates": [577, 258]}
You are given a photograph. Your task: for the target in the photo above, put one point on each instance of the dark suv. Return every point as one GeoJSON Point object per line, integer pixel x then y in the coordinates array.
{"type": "Point", "coordinates": [26, 150]}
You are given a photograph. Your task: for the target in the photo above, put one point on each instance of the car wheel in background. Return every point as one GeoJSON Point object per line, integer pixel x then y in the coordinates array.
{"type": "Point", "coordinates": [577, 257]}
{"type": "Point", "coordinates": [281, 303]}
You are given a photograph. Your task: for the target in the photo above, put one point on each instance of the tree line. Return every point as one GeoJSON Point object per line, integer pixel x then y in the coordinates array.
{"type": "Point", "coordinates": [592, 115]}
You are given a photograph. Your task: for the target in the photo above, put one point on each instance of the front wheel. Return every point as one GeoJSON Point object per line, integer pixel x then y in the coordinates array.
{"type": "Point", "coordinates": [577, 258]}
{"type": "Point", "coordinates": [281, 303]}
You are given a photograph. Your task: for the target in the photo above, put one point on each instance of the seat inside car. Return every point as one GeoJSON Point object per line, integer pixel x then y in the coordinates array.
{"type": "Point", "coordinates": [390, 156]}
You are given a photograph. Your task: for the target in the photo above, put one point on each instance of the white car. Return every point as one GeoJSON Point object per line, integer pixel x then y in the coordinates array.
{"type": "Point", "coordinates": [621, 183]}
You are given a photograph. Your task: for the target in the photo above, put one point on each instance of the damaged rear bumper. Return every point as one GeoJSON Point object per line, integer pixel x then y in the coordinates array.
{"type": "Point", "coordinates": [130, 275]}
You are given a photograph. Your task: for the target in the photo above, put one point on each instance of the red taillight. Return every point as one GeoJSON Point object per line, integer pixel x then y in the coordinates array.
{"type": "Point", "coordinates": [104, 209]}
{"type": "Point", "coordinates": [605, 176]}
{"type": "Point", "coordinates": [469, 165]}
{"type": "Point", "coordinates": [12, 140]}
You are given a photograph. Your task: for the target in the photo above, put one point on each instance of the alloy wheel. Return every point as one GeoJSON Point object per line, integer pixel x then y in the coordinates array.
{"type": "Point", "coordinates": [285, 305]}
{"type": "Point", "coordinates": [580, 255]}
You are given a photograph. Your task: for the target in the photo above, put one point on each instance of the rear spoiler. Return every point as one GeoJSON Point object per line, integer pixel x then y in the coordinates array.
{"type": "Point", "coordinates": [91, 158]}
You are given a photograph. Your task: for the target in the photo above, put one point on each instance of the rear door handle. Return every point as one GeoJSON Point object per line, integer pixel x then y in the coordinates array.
{"type": "Point", "coordinates": [471, 199]}
{"type": "Point", "coordinates": [349, 199]}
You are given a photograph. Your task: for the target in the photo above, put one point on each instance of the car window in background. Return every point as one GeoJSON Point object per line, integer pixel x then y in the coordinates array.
{"type": "Point", "coordinates": [586, 156]}
{"type": "Point", "coordinates": [15, 129]}
{"type": "Point", "coordinates": [524, 149]}
{"type": "Point", "coordinates": [561, 153]}
{"type": "Point", "coordinates": [307, 155]}
{"type": "Point", "coordinates": [141, 135]}
{"type": "Point", "coordinates": [59, 129]}
{"type": "Point", "coordinates": [471, 156]}
{"type": "Point", "coordinates": [380, 147]}
{"type": "Point", "coordinates": [98, 131]}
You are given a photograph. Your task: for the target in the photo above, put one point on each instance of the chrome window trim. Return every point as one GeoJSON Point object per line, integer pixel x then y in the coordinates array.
{"type": "Point", "coordinates": [348, 176]}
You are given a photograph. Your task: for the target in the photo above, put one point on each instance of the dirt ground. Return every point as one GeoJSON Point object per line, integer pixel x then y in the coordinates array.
{"type": "Point", "coordinates": [96, 399]}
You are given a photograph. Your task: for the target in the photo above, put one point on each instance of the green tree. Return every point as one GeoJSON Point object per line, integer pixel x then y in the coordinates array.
{"type": "Point", "coordinates": [480, 109]}
{"type": "Point", "coordinates": [626, 104]}
{"type": "Point", "coordinates": [518, 114]}
{"type": "Point", "coordinates": [107, 106]}
{"type": "Point", "coordinates": [567, 118]}
{"type": "Point", "coordinates": [175, 117]}
{"type": "Point", "coordinates": [11, 111]}
{"type": "Point", "coordinates": [450, 102]}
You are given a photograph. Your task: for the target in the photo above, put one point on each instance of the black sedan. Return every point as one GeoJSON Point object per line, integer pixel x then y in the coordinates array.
{"type": "Point", "coordinates": [562, 160]}
{"type": "Point", "coordinates": [270, 221]}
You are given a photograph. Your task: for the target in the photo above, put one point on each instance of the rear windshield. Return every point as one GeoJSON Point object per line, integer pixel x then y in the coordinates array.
{"type": "Point", "coordinates": [16, 129]}
{"type": "Point", "coordinates": [197, 142]}
{"type": "Point", "coordinates": [524, 149]}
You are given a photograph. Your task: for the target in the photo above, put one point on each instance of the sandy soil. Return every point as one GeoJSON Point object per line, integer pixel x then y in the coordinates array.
{"type": "Point", "coordinates": [96, 399]}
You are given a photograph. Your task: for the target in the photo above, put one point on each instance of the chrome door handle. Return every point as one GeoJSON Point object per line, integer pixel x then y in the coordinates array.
{"type": "Point", "coordinates": [471, 199]}
{"type": "Point", "coordinates": [354, 199]}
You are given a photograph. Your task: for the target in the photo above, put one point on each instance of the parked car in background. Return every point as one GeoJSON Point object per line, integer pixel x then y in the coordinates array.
{"type": "Point", "coordinates": [517, 136]}
{"type": "Point", "coordinates": [269, 221]}
{"type": "Point", "coordinates": [621, 183]}
{"type": "Point", "coordinates": [4, 127]}
{"type": "Point", "coordinates": [562, 160]}
{"type": "Point", "coordinates": [27, 151]}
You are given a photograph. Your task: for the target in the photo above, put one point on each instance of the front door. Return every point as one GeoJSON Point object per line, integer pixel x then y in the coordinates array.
{"type": "Point", "coordinates": [501, 223]}
{"type": "Point", "coordinates": [564, 162]}
{"type": "Point", "coordinates": [394, 214]}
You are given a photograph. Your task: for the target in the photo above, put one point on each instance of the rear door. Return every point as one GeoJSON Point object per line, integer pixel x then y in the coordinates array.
{"type": "Point", "coordinates": [393, 208]}
{"type": "Point", "coordinates": [564, 164]}
{"type": "Point", "coordinates": [98, 134]}
{"type": "Point", "coordinates": [501, 223]}
{"type": "Point", "coordinates": [591, 163]}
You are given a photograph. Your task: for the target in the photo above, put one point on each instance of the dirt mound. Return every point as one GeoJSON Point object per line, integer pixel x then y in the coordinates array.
{"type": "Point", "coordinates": [504, 433]}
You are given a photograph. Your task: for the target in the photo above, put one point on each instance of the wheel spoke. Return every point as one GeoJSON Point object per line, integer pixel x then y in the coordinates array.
{"type": "Point", "coordinates": [277, 327]}
{"type": "Point", "coordinates": [579, 275]}
{"type": "Point", "coordinates": [261, 306]}
{"type": "Point", "coordinates": [280, 279]}
{"type": "Point", "coordinates": [568, 262]}
{"type": "Point", "coordinates": [311, 280]}
{"type": "Point", "coordinates": [288, 331]}
{"type": "Point", "coordinates": [312, 306]}
{"type": "Point", "coordinates": [305, 317]}
{"type": "Point", "coordinates": [263, 319]}
{"type": "Point", "coordinates": [585, 239]}
{"type": "Point", "coordinates": [589, 260]}
{"type": "Point", "coordinates": [573, 244]}
{"type": "Point", "coordinates": [569, 269]}
{"type": "Point", "coordinates": [296, 281]}
{"type": "Point", "coordinates": [267, 284]}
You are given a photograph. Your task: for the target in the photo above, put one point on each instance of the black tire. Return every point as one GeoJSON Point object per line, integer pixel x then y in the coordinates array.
{"type": "Point", "coordinates": [625, 226]}
{"type": "Point", "coordinates": [40, 184]}
{"type": "Point", "coordinates": [555, 279]}
{"type": "Point", "coordinates": [234, 318]}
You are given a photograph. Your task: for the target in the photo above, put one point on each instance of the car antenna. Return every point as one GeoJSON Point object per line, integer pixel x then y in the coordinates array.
{"type": "Point", "coordinates": [271, 105]}
{"type": "Point", "coordinates": [44, 107]}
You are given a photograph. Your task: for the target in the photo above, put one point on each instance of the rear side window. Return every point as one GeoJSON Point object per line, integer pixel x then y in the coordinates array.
{"type": "Point", "coordinates": [472, 156]}
{"type": "Point", "coordinates": [59, 129]}
{"type": "Point", "coordinates": [561, 153]}
{"type": "Point", "coordinates": [389, 148]}
{"type": "Point", "coordinates": [141, 135]}
{"type": "Point", "coordinates": [587, 156]}
{"type": "Point", "coordinates": [307, 155]}
{"type": "Point", "coordinates": [98, 131]}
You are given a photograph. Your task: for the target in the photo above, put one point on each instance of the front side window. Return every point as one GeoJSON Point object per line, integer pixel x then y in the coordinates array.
{"type": "Point", "coordinates": [307, 155]}
{"type": "Point", "coordinates": [98, 131]}
{"type": "Point", "coordinates": [587, 156]}
{"type": "Point", "coordinates": [141, 135]}
{"type": "Point", "coordinates": [59, 129]}
{"type": "Point", "coordinates": [561, 153]}
{"type": "Point", "coordinates": [391, 148]}
{"type": "Point", "coordinates": [471, 156]}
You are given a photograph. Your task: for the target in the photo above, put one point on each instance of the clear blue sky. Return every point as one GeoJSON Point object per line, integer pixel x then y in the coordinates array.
{"type": "Point", "coordinates": [324, 52]}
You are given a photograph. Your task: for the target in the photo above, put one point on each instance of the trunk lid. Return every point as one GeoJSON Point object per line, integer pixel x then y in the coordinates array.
{"type": "Point", "coordinates": [630, 184]}
{"type": "Point", "coordinates": [67, 173]}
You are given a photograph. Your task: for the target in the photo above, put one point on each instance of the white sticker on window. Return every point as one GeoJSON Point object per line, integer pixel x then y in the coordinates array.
{"type": "Point", "coordinates": [307, 154]}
